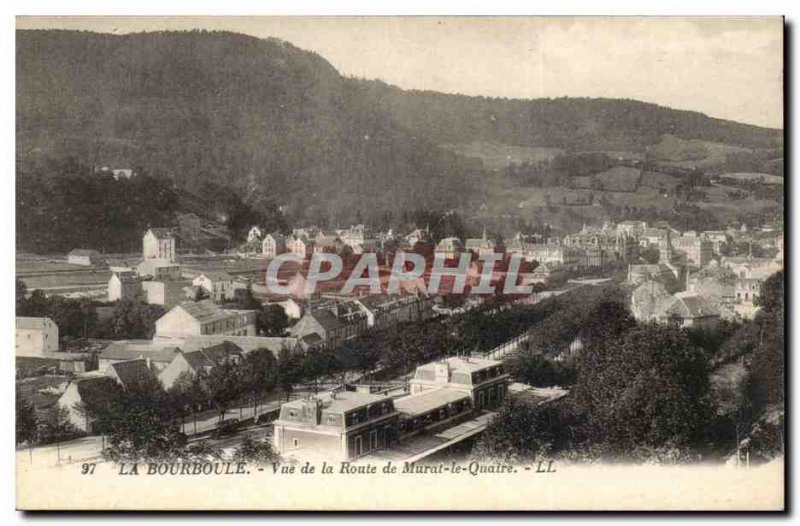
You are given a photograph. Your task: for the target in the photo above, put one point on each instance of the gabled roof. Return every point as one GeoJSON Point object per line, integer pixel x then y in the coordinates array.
{"type": "Point", "coordinates": [212, 356]}
{"type": "Point", "coordinates": [131, 372]}
{"type": "Point", "coordinates": [688, 305]}
{"type": "Point", "coordinates": [132, 349]}
{"type": "Point", "coordinates": [246, 343]}
{"type": "Point", "coordinates": [206, 310]}
{"type": "Point", "coordinates": [375, 301]}
{"type": "Point", "coordinates": [327, 319]}
{"type": "Point", "coordinates": [449, 244]}
{"type": "Point", "coordinates": [275, 235]}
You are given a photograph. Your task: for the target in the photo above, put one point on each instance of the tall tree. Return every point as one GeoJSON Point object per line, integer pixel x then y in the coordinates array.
{"type": "Point", "coordinates": [766, 383]}
{"type": "Point", "coordinates": [643, 392]}
{"type": "Point", "coordinates": [258, 375]}
{"type": "Point", "coordinates": [223, 386]}
{"type": "Point", "coordinates": [133, 319]}
{"type": "Point", "coordinates": [26, 422]}
{"type": "Point", "coordinates": [289, 372]}
{"type": "Point", "coordinates": [272, 320]}
{"type": "Point", "coordinates": [186, 394]}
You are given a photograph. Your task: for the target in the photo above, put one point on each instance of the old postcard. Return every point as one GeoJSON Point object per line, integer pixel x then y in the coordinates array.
{"type": "Point", "coordinates": [309, 263]}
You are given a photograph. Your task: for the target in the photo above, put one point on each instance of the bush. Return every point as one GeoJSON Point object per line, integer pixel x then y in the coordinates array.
{"type": "Point", "coordinates": [255, 451]}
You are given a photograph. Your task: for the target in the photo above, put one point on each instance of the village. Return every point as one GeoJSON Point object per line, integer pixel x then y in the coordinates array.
{"type": "Point", "coordinates": [217, 312]}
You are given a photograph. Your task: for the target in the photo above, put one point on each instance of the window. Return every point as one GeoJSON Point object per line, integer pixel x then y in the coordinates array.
{"type": "Point", "coordinates": [358, 444]}
{"type": "Point", "coordinates": [373, 439]}
{"type": "Point", "coordinates": [295, 443]}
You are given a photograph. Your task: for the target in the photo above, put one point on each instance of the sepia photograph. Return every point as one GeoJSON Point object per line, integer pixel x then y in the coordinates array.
{"type": "Point", "coordinates": [399, 263]}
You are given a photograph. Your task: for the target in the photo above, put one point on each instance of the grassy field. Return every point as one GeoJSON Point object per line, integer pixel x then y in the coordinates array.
{"type": "Point", "coordinates": [498, 156]}
{"type": "Point", "coordinates": [617, 179]}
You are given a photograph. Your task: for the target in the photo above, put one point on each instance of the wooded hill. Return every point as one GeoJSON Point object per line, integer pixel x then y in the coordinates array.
{"type": "Point", "coordinates": [280, 127]}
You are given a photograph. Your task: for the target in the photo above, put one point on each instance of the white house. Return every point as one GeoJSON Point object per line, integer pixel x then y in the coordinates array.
{"type": "Point", "coordinates": [451, 247]}
{"type": "Point", "coordinates": [386, 309]}
{"type": "Point", "coordinates": [218, 285]}
{"type": "Point", "coordinates": [301, 245]}
{"type": "Point", "coordinates": [199, 363]}
{"type": "Point", "coordinates": [293, 309]}
{"type": "Point", "coordinates": [196, 318]}
{"type": "Point", "coordinates": [95, 390]}
{"type": "Point", "coordinates": [418, 236]}
{"type": "Point", "coordinates": [482, 245]}
{"type": "Point", "coordinates": [167, 293]}
{"type": "Point", "coordinates": [159, 243]}
{"type": "Point", "coordinates": [273, 245]}
{"type": "Point", "coordinates": [124, 285]}
{"type": "Point", "coordinates": [83, 392]}
{"type": "Point", "coordinates": [254, 234]}
{"type": "Point", "coordinates": [35, 336]}
{"type": "Point", "coordinates": [483, 380]}
{"type": "Point", "coordinates": [159, 269]}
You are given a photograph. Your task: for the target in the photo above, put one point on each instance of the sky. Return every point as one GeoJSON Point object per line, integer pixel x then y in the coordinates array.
{"type": "Point", "coordinates": [730, 68]}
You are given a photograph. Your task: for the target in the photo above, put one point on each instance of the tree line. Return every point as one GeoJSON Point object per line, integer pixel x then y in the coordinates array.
{"type": "Point", "coordinates": [642, 392]}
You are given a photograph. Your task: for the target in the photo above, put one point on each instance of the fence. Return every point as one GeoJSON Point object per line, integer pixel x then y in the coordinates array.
{"type": "Point", "coordinates": [503, 349]}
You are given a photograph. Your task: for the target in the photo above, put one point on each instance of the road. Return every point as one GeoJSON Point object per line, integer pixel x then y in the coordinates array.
{"type": "Point", "coordinates": [71, 452]}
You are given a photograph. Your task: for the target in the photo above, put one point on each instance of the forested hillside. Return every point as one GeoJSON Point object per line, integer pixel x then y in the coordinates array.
{"type": "Point", "coordinates": [281, 129]}
{"type": "Point", "coordinates": [575, 123]}
{"type": "Point", "coordinates": [260, 116]}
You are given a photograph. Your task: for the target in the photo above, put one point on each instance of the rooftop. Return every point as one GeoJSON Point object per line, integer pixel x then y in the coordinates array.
{"type": "Point", "coordinates": [342, 402]}
{"type": "Point", "coordinates": [206, 310]}
{"type": "Point", "coordinates": [691, 306]}
{"type": "Point", "coordinates": [327, 319]}
{"type": "Point", "coordinates": [131, 372]}
{"type": "Point", "coordinates": [465, 364]}
{"type": "Point", "coordinates": [427, 401]}
{"type": "Point", "coordinates": [132, 349]}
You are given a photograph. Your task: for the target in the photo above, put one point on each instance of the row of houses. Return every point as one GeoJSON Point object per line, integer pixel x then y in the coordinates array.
{"type": "Point", "coordinates": [166, 367]}
{"type": "Point", "coordinates": [724, 289]}
{"type": "Point", "coordinates": [305, 241]}
{"type": "Point", "coordinates": [333, 321]}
